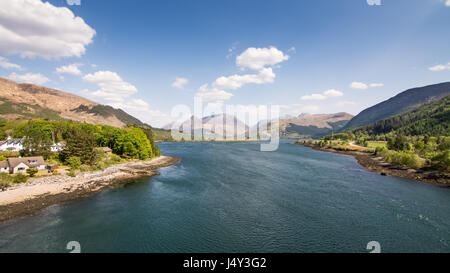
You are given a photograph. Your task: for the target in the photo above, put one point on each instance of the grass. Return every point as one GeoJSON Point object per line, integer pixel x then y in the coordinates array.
{"type": "Point", "coordinates": [27, 111]}
{"type": "Point", "coordinates": [376, 144]}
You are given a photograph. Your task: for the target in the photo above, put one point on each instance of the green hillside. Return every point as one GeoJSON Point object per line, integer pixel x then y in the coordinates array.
{"type": "Point", "coordinates": [108, 111]}
{"type": "Point", "coordinates": [431, 119]}
{"type": "Point", "coordinates": [398, 104]}
{"type": "Point", "coordinates": [26, 111]}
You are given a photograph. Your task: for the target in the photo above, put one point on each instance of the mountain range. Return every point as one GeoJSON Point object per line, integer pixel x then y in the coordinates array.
{"type": "Point", "coordinates": [312, 126]}
{"type": "Point", "coordinates": [28, 101]}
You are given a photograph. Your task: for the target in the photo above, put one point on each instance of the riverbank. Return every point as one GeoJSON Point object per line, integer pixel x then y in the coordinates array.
{"type": "Point", "coordinates": [376, 164]}
{"type": "Point", "coordinates": [38, 193]}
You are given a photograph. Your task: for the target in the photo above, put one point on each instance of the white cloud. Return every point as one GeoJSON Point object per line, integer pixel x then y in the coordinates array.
{"type": "Point", "coordinates": [253, 58]}
{"type": "Point", "coordinates": [331, 93]}
{"type": "Point", "coordinates": [32, 28]}
{"type": "Point", "coordinates": [292, 49]}
{"type": "Point", "coordinates": [71, 69]}
{"type": "Point", "coordinates": [234, 82]}
{"type": "Point", "coordinates": [364, 86]}
{"type": "Point", "coordinates": [447, 3]}
{"type": "Point", "coordinates": [180, 83]}
{"type": "Point", "coordinates": [7, 65]}
{"type": "Point", "coordinates": [258, 58]}
{"type": "Point", "coordinates": [345, 103]}
{"type": "Point", "coordinates": [313, 97]}
{"type": "Point", "coordinates": [29, 78]}
{"type": "Point", "coordinates": [439, 67]}
{"type": "Point", "coordinates": [212, 94]}
{"type": "Point", "coordinates": [140, 109]}
{"type": "Point", "coordinates": [111, 85]}
{"type": "Point", "coordinates": [359, 85]}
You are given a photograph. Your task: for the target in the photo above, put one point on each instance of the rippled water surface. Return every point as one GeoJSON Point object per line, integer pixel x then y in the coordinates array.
{"type": "Point", "coordinates": [230, 197]}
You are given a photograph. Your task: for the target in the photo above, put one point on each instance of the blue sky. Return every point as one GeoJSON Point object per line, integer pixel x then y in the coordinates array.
{"type": "Point", "coordinates": [302, 55]}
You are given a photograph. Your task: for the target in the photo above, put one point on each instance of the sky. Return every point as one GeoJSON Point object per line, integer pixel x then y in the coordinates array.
{"type": "Point", "coordinates": [146, 57]}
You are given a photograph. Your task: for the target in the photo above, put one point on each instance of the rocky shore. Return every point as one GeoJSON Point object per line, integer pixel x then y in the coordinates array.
{"type": "Point", "coordinates": [376, 164]}
{"type": "Point", "coordinates": [39, 193]}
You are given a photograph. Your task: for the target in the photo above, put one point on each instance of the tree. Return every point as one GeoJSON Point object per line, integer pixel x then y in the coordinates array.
{"type": "Point", "coordinates": [132, 142]}
{"type": "Point", "coordinates": [80, 143]}
{"type": "Point", "coordinates": [74, 162]}
{"type": "Point", "coordinates": [399, 143]}
{"type": "Point", "coordinates": [37, 142]}
{"type": "Point", "coordinates": [32, 171]}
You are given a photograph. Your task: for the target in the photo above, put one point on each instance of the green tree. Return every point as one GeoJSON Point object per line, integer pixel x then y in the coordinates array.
{"type": "Point", "coordinates": [80, 143]}
{"type": "Point", "coordinates": [32, 171]}
{"type": "Point", "coordinates": [74, 162]}
{"type": "Point", "coordinates": [132, 142]}
{"type": "Point", "coordinates": [37, 140]}
{"type": "Point", "coordinates": [399, 143]}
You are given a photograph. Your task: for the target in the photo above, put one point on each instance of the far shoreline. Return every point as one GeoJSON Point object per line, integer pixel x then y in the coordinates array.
{"type": "Point", "coordinates": [39, 193]}
{"type": "Point", "coordinates": [375, 164]}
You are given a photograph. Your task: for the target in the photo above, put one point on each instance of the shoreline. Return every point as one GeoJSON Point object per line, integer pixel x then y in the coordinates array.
{"type": "Point", "coordinates": [376, 164]}
{"type": "Point", "coordinates": [38, 193]}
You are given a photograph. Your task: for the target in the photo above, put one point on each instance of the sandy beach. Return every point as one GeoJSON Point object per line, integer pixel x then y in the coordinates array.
{"type": "Point", "coordinates": [38, 193]}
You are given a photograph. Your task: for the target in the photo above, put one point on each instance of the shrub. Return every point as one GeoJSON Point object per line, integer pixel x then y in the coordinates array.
{"type": "Point", "coordinates": [441, 161]}
{"type": "Point", "coordinates": [405, 159]}
{"type": "Point", "coordinates": [115, 159]}
{"type": "Point", "coordinates": [55, 172]}
{"type": "Point", "coordinates": [101, 165]}
{"type": "Point", "coordinates": [19, 178]}
{"type": "Point", "coordinates": [32, 172]}
{"type": "Point", "coordinates": [5, 180]}
{"type": "Point", "coordinates": [85, 168]}
{"type": "Point", "coordinates": [74, 162]}
{"type": "Point", "coordinates": [71, 173]}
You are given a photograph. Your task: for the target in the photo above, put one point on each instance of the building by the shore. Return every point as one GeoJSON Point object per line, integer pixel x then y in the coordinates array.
{"type": "Point", "coordinates": [22, 164]}
{"type": "Point", "coordinates": [16, 145]}
{"type": "Point", "coordinates": [12, 145]}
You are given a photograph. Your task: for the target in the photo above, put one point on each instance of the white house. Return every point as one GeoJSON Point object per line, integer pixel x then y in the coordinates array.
{"type": "Point", "coordinates": [12, 145]}
{"type": "Point", "coordinates": [57, 147]}
{"type": "Point", "coordinates": [16, 145]}
{"type": "Point", "coordinates": [4, 167]}
{"type": "Point", "coordinates": [21, 164]}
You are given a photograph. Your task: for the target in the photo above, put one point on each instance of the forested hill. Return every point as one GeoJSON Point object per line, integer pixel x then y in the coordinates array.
{"type": "Point", "coordinates": [398, 104]}
{"type": "Point", "coordinates": [431, 119]}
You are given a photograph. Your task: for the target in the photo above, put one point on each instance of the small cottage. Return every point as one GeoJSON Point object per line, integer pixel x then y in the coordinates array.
{"type": "Point", "coordinates": [21, 164]}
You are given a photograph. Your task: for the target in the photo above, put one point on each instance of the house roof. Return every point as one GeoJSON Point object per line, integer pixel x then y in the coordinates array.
{"type": "Point", "coordinates": [13, 141]}
{"type": "Point", "coordinates": [31, 162]}
{"type": "Point", "coordinates": [106, 149]}
{"type": "Point", "coordinates": [3, 164]}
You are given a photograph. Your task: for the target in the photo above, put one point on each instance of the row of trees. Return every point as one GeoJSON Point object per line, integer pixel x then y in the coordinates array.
{"type": "Point", "coordinates": [81, 139]}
